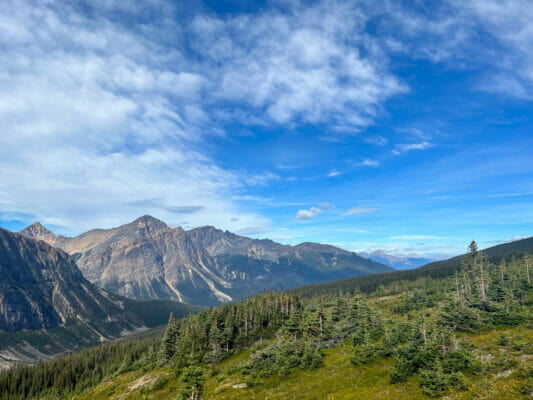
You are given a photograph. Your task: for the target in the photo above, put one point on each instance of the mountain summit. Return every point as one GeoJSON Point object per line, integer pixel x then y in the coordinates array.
{"type": "Point", "coordinates": [39, 232]}
{"type": "Point", "coordinates": [147, 259]}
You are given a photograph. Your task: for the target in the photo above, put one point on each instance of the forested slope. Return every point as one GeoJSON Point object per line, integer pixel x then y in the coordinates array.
{"type": "Point", "coordinates": [436, 269]}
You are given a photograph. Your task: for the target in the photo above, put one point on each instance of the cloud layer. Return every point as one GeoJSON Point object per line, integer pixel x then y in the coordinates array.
{"type": "Point", "coordinates": [103, 110]}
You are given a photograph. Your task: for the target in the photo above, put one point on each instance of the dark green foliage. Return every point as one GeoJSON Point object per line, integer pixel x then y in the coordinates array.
{"type": "Point", "coordinates": [73, 373]}
{"type": "Point", "coordinates": [433, 352]}
{"type": "Point", "coordinates": [194, 379]}
{"type": "Point", "coordinates": [434, 382]}
{"type": "Point", "coordinates": [365, 354]}
{"type": "Point", "coordinates": [282, 356]}
{"type": "Point", "coordinates": [168, 343]}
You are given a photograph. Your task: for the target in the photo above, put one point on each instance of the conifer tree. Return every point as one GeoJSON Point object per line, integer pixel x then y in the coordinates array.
{"type": "Point", "coordinates": [168, 343]}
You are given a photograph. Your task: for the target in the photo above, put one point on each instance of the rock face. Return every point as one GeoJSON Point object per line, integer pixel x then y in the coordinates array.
{"type": "Point", "coordinates": [37, 231]}
{"type": "Point", "coordinates": [41, 288]}
{"type": "Point", "coordinates": [146, 259]}
{"type": "Point", "coordinates": [44, 294]}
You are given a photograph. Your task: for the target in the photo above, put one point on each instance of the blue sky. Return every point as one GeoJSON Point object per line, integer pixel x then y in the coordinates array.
{"type": "Point", "coordinates": [405, 126]}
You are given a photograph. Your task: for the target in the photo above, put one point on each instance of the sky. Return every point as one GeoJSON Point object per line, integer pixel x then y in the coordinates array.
{"type": "Point", "coordinates": [374, 124]}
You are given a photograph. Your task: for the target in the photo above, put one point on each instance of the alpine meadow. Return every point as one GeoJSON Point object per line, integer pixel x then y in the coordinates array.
{"type": "Point", "coordinates": [266, 200]}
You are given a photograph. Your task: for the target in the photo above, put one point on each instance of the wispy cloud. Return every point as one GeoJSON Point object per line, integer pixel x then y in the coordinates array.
{"type": "Point", "coordinates": [494, 34]}
{"type": "Point", "coordinates": [359, 210]}
{"type": "Point", "coordinates": [415, 132]}
{"type": "Point", "coordinates": [333, 173]}
{"type": "Point", "coordinates": [253, 230]}
{"type": "Point", "coordinates": [367, 162]}
{"type": "Point", "coordinates": [308, 214]}
{"type": "Point", "coordinates": [326, 205]}
{"type": "Point", "coordinates": [403, 148]}
{"type": "Point", "coordinates": [376, 140]}
{"type": "Point", "coordinates": [512, 239]}
{"type": "Point", "coordinates": [301, 65]}
{"type": "Point", "coordinates": [113, 112]}
{"type": "Point", "coordinates": [415, 237]}
{"type": "Point", "coordinates": [185, 209]}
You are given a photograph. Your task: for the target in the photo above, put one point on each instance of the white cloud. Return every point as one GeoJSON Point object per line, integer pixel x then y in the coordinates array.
{"type": "Point", "coordinates": [369, 163]}
{"type": "Point", "coordinates": [418, 133]}
{"type": "Point", "coordinates": [333, 173]}
{"type": "Point", "coordinates": [308, 214]}
{"type": "Point", "coordinates": [509, 22]}
{"type": "Point", "coordinates": [494, 35]}
{"type": "Point", "coordinates": [512, 239]}
{"type": "Point", "coordinates": [376, 140]}
{"type": "Point", "coordinates": [311, 64]}
{"type": "Point", "coordinates": [96, 117]}
{"type": "Point", "coordinates": [403, 148]}
{"type": "Point", "coordinates": [359, 210]}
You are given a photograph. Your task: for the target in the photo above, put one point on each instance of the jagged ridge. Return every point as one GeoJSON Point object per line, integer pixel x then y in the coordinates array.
{"type": "Point", "coordinates": [146, 259]}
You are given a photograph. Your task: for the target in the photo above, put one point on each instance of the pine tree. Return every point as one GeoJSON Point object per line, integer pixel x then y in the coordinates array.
{"type": "Point", "coordinates": [193, 379]}
{"type": "Point", "coordinates": [168, 343]}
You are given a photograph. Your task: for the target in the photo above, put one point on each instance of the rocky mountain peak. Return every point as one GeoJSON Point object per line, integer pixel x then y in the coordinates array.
{"type": "Point", "coordinates": [39, 232]}
{"type": "Point", "coordinates": [147, 221]}
{"type": "Point", "coordinates": [35, 230]}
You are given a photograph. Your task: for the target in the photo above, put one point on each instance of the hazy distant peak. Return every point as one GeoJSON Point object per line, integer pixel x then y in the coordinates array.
{"type": "Point", "coordinates": [404, 261]}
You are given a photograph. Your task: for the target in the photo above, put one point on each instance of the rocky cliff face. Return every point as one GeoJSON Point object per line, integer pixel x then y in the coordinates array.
{"type": "Point", "coordinates": [146, 259]}
{"type": "Point", "coordinates": [41, 288]}
{"type": "Point", "coordinates": [39, 232]}
{"type": "Point", "coordinates": [43, 293]}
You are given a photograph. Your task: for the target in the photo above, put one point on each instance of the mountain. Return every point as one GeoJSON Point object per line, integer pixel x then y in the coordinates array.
{"type": "Point", "coordinates": [146, 259]}
{"type": "Point", "coordinates": [48, 307]}
{"type": "Point", "coordinates": [396, 262]}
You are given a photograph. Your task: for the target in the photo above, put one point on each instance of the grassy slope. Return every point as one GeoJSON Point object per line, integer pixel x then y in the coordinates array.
{"type": "Point", "coordinates": [338, 379]}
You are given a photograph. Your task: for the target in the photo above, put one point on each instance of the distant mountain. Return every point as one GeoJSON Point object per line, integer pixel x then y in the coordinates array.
{"type": "Point", "coordinates": [396, 262]}
{"type": "Point", "coordinates": [48, 307]}
{"type": "Point", "coordinates": [146, 259]}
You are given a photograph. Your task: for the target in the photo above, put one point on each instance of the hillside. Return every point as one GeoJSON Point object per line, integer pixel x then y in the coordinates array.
{"type": "Point", "coordinates": [146, 259]}
{"type": "Point", "coordinates": [463, 337]}
{"type": "Point", "coordinates": [48, 307]}
{"type": "Point", "coordinates": [436, 269]}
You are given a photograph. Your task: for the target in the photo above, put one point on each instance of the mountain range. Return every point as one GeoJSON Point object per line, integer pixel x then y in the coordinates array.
{"type": "Point", "coordinates": [147, 259]}
{"type": "Point", "coordinates": [397, 262]}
